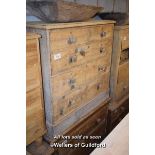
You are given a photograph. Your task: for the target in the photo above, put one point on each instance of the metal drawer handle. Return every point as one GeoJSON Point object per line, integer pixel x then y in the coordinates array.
{"type": "Point", "coordinates": [103, 34]}
{"type": "Point", "coordinates": [70, 103]}
{"type": "Point", "coordinates": [61, 111]}
{"type": "Point", "coordinates": [102, 68]}
{"type": "Point", "coordinates": [98, 86]}
{"type": "Point", "coordinates": [80, 50]}
{"type": "Point", "coordinates": [71, 40]}
{"type": "Point", "coordinates": [72, 82]}
{"type": "Point", "coordinates": [73, 59]}
{"type": "Point", "coordinates": [102, 50]}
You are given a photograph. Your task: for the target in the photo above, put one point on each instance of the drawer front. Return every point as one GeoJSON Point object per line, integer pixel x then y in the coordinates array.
{"type": "Point", "coordinates": [67, 104]}
{"type": "Point", "coordinates": [67, 81]}
{"type": "Point", "coordinates": [123, 74]}
{"type": "Point", "coordinates": [64, 59]}
{"type": "Point", "coordinates": [101, 32]}
{"type": "Point", "coordinates": [97, 68]}
{"type": "Point", "coordinates": [125, 39]}
{"type": "Point", "coordinates": [68, 37]}
{"type": "Point", "coordinates": [97, 86]}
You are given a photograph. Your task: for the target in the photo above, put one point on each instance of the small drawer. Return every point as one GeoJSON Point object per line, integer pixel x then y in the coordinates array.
{"type": "Point", "coordinates": [125, 39]}
{"type": "Point", "coordinates": [67, 81]}
{"type": "Point", "coordinates": [101, 32]}
{"type": "Point", "coordinates": [68, 37]}
{"type": "Point", "coordinates": [97, 86]}
{"type": "Point", "coordinates": [97, 67]}
{"type": "Point", "coordinates": [67, 104]}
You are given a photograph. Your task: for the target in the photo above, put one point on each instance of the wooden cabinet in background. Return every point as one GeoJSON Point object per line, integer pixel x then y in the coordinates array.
{"type": "Point", "coordinates": [76, 61]}
{"type": "Point", "coordinates": [119, 79]}
{"type": "Point", "coordinates": [35, 118]}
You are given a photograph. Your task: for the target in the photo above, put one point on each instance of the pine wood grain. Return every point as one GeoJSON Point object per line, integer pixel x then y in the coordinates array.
{"type": "Point", "coordinates": [35, 120]}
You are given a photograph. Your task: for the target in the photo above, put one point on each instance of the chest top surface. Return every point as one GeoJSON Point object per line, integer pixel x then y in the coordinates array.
{"type": "Point", "coordinates": [48, 26]}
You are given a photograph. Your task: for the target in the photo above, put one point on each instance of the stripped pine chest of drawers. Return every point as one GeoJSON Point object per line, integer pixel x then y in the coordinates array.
{"type": "Point", "coordinates": [76, 61]}
{"type": "Point", "coordinates": [35, 118]}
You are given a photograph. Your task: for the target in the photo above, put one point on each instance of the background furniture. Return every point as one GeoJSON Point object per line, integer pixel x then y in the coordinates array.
{"type": "Point", "coordinates": [119, 79]}
{"type": "Point", "coordinates": [35, 118]}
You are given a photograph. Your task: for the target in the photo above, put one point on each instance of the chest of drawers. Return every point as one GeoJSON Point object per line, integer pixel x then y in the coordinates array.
{"type": "Point", "coordinates": [119, 81]}
{"type": "Point", "coordinates": [35, 119]}
{"type": "Point", "coordinates": [76, 60]}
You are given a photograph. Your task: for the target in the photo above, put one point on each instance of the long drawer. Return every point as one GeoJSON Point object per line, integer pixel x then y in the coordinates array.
{"type": "Point", "coordinates": [69, 37]}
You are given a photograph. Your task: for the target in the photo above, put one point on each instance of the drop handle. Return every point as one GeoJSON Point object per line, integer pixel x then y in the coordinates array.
{"type": "Point", "coordinates": [102, 68]}
{"type": "Point", "coordinates": [81, 51]}
{"type": "Point", "coordinates": [98, 87]}
{"type": "Point", "coordinates": [72, 59]}
{"type": "Point", "coordinates": [61, 111]}
{"type": "Point", "coordinates": [102, 50]}
{"type": "Point", "coordinates": [103, 34]}
{"type": "Point", "coordinates": [71, 102]}
{"type": "Point", "coordinates": [71, 83]}
{"type": "Point", "coordinates": [71, 40]}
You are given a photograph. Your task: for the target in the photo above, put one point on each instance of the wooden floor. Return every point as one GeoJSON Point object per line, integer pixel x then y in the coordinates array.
{"type": "Point", "coordinates": [117, 142]}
